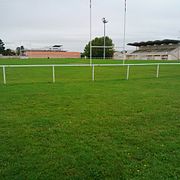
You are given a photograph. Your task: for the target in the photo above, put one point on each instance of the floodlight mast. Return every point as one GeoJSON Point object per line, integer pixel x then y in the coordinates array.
{"type": "Point", "coordinates": [105, 22]}
{"type": "Point", "coordinates": [124, 39]}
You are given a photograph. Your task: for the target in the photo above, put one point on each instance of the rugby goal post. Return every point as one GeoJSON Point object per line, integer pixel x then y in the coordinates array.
{"type": "Point", "coordinates": [124, 34]}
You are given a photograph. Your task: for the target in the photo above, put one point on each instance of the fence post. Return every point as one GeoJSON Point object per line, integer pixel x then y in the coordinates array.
{"type": "Point", "coordinates": [4, 74]}
{"type": "Point", "coordinates": [157, 75]}
{"type": "Point", "coordinates": [54, 78]}
{"type": "Point", "coordinates": [128, 68]}
{"type": "Point", "coordinates": [93, 76]}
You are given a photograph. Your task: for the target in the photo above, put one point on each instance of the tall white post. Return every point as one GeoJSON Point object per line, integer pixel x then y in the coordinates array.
{"type": "Point", "coordinates": [90, 32]}
{"type": "Point", "coordinates": [93, 73]}
{"type": "Point", "coordinates": [104, 22]}
{"type": "Point", "coordinates": [54, 77]}
{"type": "Point", "coordinates": [124, 39]}
{"type": "Point", "coordinates": [4, 74]}
{"type": "Point", "coordinates": [128, 69]}
{"type": "Point", "coordinates": [104, 55]}
{"type": "Point", "coordinates": [158, 67]}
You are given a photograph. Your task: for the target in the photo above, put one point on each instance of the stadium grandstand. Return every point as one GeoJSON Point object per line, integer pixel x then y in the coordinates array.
{"type": "Point", "coordinates": [156, 50]}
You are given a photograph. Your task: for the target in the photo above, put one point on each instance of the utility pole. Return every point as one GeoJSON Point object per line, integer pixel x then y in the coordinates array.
{"type": "Point", "coordinates": [104, 22]}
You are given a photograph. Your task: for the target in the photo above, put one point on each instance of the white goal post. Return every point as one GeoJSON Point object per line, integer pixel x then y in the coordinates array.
{"type": "Point", "coordinates": [105, 47]}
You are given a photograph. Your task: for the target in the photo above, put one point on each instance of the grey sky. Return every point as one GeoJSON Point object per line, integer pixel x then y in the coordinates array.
{"type": "Point", "coordinates": [41, 23]}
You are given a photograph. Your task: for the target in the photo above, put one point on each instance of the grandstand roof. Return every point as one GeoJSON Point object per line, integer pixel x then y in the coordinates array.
{"type": "Point", "coordinates": [57, 45]}
{"type": "Point", "coordinates": [157, 42]}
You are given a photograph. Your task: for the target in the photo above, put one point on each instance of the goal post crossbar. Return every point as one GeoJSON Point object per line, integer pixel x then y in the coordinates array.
{"type": "Point", "coordinates": [107, 47]}
{"type": "Point", "coordinates": [115, 47]}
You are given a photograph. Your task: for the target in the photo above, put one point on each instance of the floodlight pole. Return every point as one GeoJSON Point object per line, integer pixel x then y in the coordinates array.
{"type": "Point", "coordinates": [124, 39]}
{"type": "Point", "coordinates": [104, 21]}
{"type": "Point", "coordinates": [90, 32]}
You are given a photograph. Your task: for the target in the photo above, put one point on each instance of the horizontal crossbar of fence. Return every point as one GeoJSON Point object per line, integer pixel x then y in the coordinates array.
{"type": "Point", "coordinates": [86, 65]}
{"type": "Point", "coordinates": [115, 47]}
{"type": "Point", "coordinates": [147, 64]}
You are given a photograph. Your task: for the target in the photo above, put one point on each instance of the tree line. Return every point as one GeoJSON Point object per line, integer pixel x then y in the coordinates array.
{"type": "Point", "coordinates": [10, 52]}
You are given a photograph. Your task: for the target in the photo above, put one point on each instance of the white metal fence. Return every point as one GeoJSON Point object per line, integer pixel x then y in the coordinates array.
{"type": "Point", "coordinates": [85, 65]}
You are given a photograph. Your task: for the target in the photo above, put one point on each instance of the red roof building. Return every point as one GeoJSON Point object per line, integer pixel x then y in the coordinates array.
{"type": "Point", "coordinates": [51, 54]}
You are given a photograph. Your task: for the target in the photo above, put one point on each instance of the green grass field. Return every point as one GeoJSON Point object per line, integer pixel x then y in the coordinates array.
{"type": "Point", "coordinates": [78, 129]}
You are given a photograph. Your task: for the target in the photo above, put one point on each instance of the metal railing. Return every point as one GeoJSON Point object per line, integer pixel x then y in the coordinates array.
{"type": "Point", "coordinates": [84, 65]}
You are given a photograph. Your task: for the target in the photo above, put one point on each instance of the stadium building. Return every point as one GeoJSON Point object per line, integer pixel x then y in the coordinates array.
{"type": "Point", "coordinates": [155, 50]}
{"type": "Point", "coordinates": [55, 51]}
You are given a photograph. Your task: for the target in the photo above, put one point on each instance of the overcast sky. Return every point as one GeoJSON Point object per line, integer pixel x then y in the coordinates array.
{"type": "Point", "coordinates": [42, 23]}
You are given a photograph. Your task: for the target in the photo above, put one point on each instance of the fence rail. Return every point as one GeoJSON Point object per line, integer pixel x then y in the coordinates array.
{"type": "Point", "coordinates": [83, 65]}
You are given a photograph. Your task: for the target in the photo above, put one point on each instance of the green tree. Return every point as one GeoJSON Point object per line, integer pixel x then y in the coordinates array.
{"type": "Point", "coordinates": [2, 48]}
{"type": "Point", "coordinates": [9, 52]}
{"type": "Point", "coordinates": [18, 51]}
{"type": "Point", "coordinates": [22, 48]}
{"type": "Point", "coordinates": [5, 52]}
{"type": "Point", "coordinates": [98, 52]}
